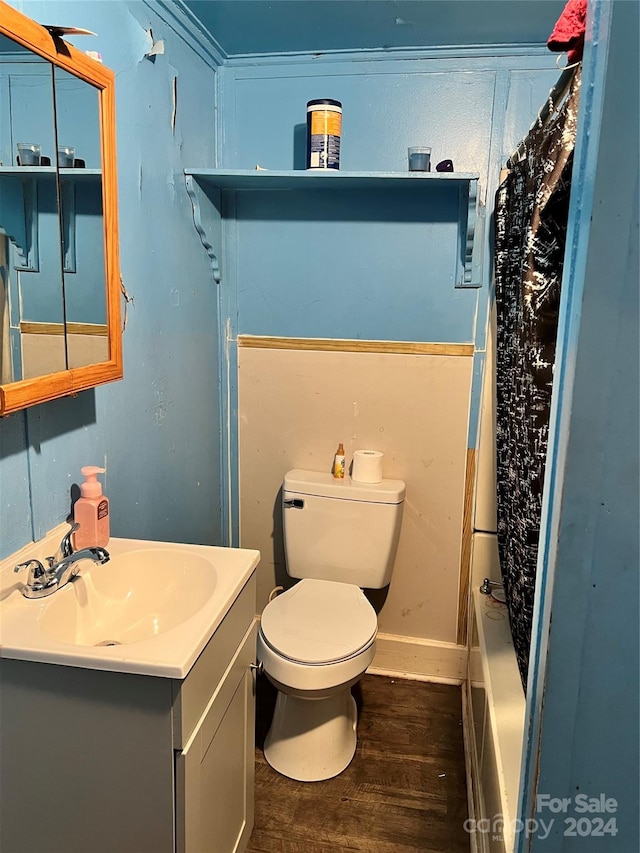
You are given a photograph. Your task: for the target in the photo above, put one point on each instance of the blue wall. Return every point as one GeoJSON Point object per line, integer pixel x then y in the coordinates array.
{"type": "Point", "coordinates": [370, 267]}
{"type": "Point", "coordinates": [158, 430]}
{"type": "Point", "coordinates": [378, 267]}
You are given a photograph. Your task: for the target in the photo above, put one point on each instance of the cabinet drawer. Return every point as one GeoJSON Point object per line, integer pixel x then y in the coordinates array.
{"type": "Point", "coordinates": [191, 696]}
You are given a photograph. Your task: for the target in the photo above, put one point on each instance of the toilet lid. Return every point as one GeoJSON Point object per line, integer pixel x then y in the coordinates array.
{"type": "Point", "coordinates": [318, 622]}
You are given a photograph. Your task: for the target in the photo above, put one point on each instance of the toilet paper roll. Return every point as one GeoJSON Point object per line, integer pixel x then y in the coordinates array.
{"type": "Point", "coordinates": [367, 466]}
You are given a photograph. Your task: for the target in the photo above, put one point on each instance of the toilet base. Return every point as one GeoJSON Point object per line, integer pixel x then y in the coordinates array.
{"type": "Point", "coordinates": [312, 739]}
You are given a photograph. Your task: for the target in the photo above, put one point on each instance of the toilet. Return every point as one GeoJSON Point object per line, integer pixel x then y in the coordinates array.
{"type": "Point", "coordinates": [317, 639]}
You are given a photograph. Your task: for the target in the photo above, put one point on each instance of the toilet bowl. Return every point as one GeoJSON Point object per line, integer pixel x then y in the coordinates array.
{"type": "Point", "coordinates": [318, 638]}
{"type": "Point", "coordinates": [315, 641]}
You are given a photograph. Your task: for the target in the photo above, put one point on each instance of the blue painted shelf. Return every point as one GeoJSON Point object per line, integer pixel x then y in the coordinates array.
{"type": "Point", "coordinates": [204, 187]}
{"type": "Point", "coordinates": [27, 170]}
{"type": "Point", "coordinates": [259, 179]}
{"type": "Point", "coordinates": [39, 171]}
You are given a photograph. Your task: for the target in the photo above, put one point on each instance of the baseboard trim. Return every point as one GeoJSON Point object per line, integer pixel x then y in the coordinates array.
{"type": "Point", "coordinates": [418, 659]}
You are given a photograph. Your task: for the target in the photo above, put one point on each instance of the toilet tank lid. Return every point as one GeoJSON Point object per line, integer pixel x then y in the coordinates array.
{"type": "Point", "coordinates": [325, 485]}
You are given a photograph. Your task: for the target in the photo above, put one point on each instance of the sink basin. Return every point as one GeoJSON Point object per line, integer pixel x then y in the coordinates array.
{"type": "Point", "coordinates": [151, 609]}
{"type": "Point", "coordinates": [134, 596]}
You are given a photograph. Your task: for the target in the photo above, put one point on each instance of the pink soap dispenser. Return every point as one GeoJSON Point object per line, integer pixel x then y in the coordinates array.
{"type": "Point", "coordinates": [91, 512]}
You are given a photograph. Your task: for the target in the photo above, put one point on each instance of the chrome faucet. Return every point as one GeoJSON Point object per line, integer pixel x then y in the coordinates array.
{"type": "Point", "coordinates": [488, 585]}
{"type": "Point", "coordinates": [60, 569]}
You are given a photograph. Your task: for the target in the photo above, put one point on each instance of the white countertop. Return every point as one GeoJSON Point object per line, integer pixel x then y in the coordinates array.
{"type": "Point", "coordinates": [169, 654]}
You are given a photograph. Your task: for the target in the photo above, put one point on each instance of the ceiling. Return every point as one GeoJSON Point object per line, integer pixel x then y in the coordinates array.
{"type": "Point", "coordinates": [243, 27]}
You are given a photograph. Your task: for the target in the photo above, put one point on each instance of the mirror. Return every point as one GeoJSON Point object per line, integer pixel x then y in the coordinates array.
{"type": "Point", "coordinates": [77, 110]}
{"type": "Point", "coordinates": [59, 271]}
{"type": "Point", "coordinates": [30, 248]}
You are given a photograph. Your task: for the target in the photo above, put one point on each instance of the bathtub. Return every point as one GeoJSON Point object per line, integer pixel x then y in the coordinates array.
{"type": "Point", "coordinates": [494, 712]}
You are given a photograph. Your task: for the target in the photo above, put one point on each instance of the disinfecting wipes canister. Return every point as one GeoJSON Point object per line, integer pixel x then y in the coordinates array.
{"type": "Point", "coordinates": [324, 124]}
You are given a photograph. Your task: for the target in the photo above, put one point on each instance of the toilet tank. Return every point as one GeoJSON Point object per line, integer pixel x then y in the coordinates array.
{"type": "Point", "coordinates": [338, 530]}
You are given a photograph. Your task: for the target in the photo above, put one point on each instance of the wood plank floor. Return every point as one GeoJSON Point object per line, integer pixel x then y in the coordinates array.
{"type": "Point", "coordinates": [404, 791]}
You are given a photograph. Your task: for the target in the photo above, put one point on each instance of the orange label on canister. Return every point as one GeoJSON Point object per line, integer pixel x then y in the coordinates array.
{"type": "Point", "coordinates": [326, 122]}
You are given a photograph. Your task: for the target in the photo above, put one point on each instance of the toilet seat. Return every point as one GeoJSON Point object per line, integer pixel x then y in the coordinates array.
{"type": "Point", "coordinates": [319, 623]}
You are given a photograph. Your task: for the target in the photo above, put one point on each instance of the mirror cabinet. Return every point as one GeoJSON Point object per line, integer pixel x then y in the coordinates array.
{"type": "Point", "coordinates": [59, 270]}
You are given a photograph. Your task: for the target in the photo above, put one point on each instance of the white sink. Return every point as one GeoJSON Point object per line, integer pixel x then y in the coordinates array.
{"type": "Point", "coordinates": [136, 595]}
{"type": "Point", "coordinates": [150, 609]}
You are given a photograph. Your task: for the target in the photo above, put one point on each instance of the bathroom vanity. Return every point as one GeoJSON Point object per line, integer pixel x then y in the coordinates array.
{"type": "Point", "coordinates": [128, 761]}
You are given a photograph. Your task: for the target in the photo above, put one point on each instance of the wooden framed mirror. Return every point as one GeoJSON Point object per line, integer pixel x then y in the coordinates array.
{"type": "Point", "coordinates": [59, 263]}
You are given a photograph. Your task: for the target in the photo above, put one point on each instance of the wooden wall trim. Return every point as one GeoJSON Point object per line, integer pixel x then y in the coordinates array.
{"type": "Point", "coordinates": [30, 328]}
{"type": "Point", "coordinates": [347, 345]}
{"type": "Point", "coordinates": [87, 329]}
{"type": "Point", "coordinates": [465, 551]}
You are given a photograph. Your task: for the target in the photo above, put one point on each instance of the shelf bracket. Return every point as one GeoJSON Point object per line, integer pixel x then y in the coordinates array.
{"type": "Point", "coordinates": [68, 225]}
{"type": "Point", "coordinates": [471, 233]}
{"type": "Point", "coordinates": [206, 188]}
{"type": "Point", "coordinates": [207, 220]}
{"type": "Point", "coordinates": [18, 218]}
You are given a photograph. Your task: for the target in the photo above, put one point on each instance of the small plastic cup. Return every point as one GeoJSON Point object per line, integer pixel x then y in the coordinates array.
{"type": "Point", "coordinates": [419, 158]}
{"type": "Point", "coordinates": [28, 154]}
{"type": "Point", "coordinates": [66, 157]}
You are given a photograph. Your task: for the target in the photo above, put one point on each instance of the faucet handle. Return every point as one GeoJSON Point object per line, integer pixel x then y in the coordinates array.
{"type": "Point", "coordinates": [36, 570]}
{"type": "Point", "coordinates": [488, 585]}
{"type": "Point", "coordinates": [65, 549]}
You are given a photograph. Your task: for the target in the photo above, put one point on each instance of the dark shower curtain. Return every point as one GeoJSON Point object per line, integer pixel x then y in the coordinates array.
{"type": "Point", "coordinates": [531, 221]}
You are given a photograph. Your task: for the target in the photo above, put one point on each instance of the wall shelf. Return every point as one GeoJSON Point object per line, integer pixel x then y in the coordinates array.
{"type": "Point", "coordinates": [205, 185]}
{"type": "Point", "coordinates": [39, 171]}
{"type": "Point", "coordinates": [27, 170]}
{"type": "Point", "coordinates": [259, 179]}
{"type": "Point", "coordinates": [19, 202]}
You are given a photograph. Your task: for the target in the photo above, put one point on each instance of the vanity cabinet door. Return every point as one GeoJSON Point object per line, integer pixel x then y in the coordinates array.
{"type": "Point", "coordinates": [215, 770]}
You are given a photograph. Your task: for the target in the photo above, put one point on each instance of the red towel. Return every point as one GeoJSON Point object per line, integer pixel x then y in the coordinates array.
{"type": "Point", "coordinates": [568, 33]}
